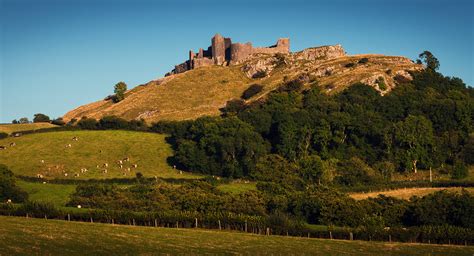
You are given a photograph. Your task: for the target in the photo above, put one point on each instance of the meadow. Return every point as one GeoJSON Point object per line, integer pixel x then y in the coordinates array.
{"type": "Point", "coordinates": [38, 236]}
{"type": "Point", "coordinates": [11, 128]}
{"type": "Point", "coordinates": [57, 155]}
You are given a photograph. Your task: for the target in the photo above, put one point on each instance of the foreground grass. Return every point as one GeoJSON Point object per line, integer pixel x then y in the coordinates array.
{"type": "Point", "coordinates": [93, 148]}
{"type": "Point", "coordinates": [406, 193]}
{"type": "Point", "coordinates": [52, 237]}
{"type": "Point", "coordinates": [11, 128]}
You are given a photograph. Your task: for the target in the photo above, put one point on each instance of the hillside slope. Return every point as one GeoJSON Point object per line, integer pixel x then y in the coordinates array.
{"type": "Point", "coordinates": [52, 237]}
{"type": "Point", "coordinates": [203, 91]}
{"type": "Point", "coordinates": [48, 154]}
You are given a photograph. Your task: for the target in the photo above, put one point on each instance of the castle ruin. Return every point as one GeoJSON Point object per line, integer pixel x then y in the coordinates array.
{"type": "Point", "coordinates": [223, 52]}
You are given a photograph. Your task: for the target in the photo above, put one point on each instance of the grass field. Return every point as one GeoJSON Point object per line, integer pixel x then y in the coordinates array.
{"type": "Point", "coordinates": [11, 128]}
{"type": "Point", "coordinates": [406, 193]}
{"type": "Point", "coordinates": [237, 188]}
{"type": "Point", "coordinates": [57, 194]}
{"type": "Point", "coordinates": [93, 148]}
{"type": "Point", "coordinates": [51, 237]}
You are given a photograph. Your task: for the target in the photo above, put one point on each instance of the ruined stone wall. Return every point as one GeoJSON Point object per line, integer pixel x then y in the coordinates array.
{"type": "Point", "coordinates": [202, 62]}
{"type": "Point", "coordinates": [218, 49]}
{"type": "Point", "coordinates": [239, 52]}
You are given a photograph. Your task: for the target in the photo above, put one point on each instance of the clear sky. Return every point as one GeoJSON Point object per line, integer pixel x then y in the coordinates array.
{"type": "Point", "coordinates": [56, 55]}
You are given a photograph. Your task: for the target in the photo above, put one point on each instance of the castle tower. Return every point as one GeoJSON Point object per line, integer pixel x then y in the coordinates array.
{"type": "Point", "coordinates": [218, 49]}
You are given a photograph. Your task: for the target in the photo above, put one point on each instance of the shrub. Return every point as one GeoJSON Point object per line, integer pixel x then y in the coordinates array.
{"type": "Point", "coordinates": [460, 170]}
{"type": "Point", "coordinates": [3, 135]}
{"type": "Point", "coordinates": [233, 106]}
{"type": "Point", "coordinates": [58, 121]}
{"type": "Point", "coordinates": [119, 90]}
{"type": "Point", "coordinates": [8, 187]}
{"type": "Point", "coordinates": [253, 90]}
{"type": "Point", "coordinates": [113, 122]}
{"type": "Point", "coordinates": [41, 118]}
{"type": "Point", "coordinates": [88, 123]}
{"type": "Point", "coordinates": [381, 83]}
{"type": "Point", "coordinates": [293, 85]}
{"type": "Point", "coordinates": [363, 60]}
{"type": "Point", "coordinates": [260, 74]}
{"type": "Point", "coordinates": [349, 65]}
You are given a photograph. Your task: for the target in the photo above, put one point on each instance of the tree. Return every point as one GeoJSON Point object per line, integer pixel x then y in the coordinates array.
{"type": "Point", "coordinates": [23, 120]}
{"type": "Point", "coordinates": [41, 118]}
{"type": "Point", "coordinates": [414, 140]}
{"type": "Point", "coordinates": [8, 188]}
{"type": "Point", "coordinates": [431, 62]}
{"type": "Point", "coordinates": [119, 90]}
{"type": "Point", "coordinates": [14, 121]}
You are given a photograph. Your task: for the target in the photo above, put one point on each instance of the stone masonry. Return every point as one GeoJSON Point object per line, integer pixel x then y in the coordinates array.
{"type": "Point", "coordinates": [223, 52]}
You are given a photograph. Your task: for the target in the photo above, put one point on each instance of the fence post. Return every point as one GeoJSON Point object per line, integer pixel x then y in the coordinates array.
{"type": "Point", "coordinates": [351, 236]}
{"type": "Point", "coordinates": [113, 222]}
{"type": "Point", "coordinates": [390, 238]}
{"type": "Point", "coordinates": [330, 234]}
{"type": "Point", "coordinates": [268, 231]}
{"type": "Point", "coordinates": [156, 223]}
{"type": "Point", "coordinates": [220, 227]}
{"type": "Point", "coordinates": [45, 217]}
{"type": "Point", "coordinates": [245, 226]}
{"type": "Point", "coordinates": [133, 221]}
{"type": "Point", "coordinates": [92, 220]}
{"type": "Point", "coordinates": [308, 234]}
{"type": "Point", "coordinates": [177, 224]}
{"type": "Point", "coordinates": [196, 222]}
{"type": "Point", "coordinates": [26, 215]}
{"type": "Point", "coordinates": [68, 217]}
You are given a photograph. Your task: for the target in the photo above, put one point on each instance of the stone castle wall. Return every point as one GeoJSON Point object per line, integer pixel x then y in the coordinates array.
{"type": "Point", "coordinates": [223, 52]}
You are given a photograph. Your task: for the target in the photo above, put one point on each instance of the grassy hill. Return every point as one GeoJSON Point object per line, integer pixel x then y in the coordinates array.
{"type": "Point", "coordinates": [11, 128]}
{"type": "Point", "coordinates": [205, 90]}
{"type": "Point", "coordinates": [51, 237]}
{"type": "Point", "coordinates": [47, 154]}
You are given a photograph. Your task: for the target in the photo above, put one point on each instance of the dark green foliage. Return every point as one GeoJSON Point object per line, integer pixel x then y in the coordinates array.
{"type": "Point", "coordinates": [260, 74]}
{"type": "Point", "coordinates": [58, 121]}
{"type": "Point", "coordinates": [363, 61]}
{"type": "Point", "coordinates": [431, 62]}
{"type": "Point", "coordinates": [232, 107]}
{"type": "Point", "coordinates": [41, 118]}
{"type": "Point", "coordinates": [8, 187]}
{"type": "Point", "coordinates": [460, 170]}
{"type": "Point", "coordinates": [354, 171]}
{"type": "Point", "coordinates": [349, 65]}
{"type": "Point", "coordinates": [88, 123]}
{"type": "Point", "coordinates": [113, 122]}
{"type": "Point", "coordinates": [3, 135]}
{"type": "Point", "coordinates": [23, 120]}
{"type": "Point", "coordinates": [119, 89]}
{"type": "Point", "coordinates": [253, 90]}
{"type": "Point", "coordinates": [226, 147]}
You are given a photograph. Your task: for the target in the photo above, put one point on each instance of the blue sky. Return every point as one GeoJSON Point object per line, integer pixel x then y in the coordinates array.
{"type": "Point", "coordinates": [57, 55]}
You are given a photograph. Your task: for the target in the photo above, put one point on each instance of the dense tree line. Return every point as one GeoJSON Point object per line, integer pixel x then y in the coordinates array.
{"type": "Point", "coordinates": [316, 205]}
{"type": "Point", "coordinates": [9, 191]}
{"type": "Point", "coordinates": [355, 137]}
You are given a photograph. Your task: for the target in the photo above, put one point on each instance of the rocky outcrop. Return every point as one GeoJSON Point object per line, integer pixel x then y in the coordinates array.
{"type": "Point", "coordinates": [321, 53]}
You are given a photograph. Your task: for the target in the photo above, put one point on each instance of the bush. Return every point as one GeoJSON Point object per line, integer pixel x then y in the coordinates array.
{"type": "Point", "coordinates": [260, 74]}
{"type": "Point", "coordinates": [233, 106]}
{"type": "Point", "coordinates": [88, 123]}
{"type": "Point", "coordinates": [381, 83]}
{"type": "Point", "coordinates": [363, 60]}
{"type": "Point", "coordinates": [3, 135]}
{"type": "Point", "coordinates": [8, 187]}
{"type": "Point", "coordinates": [349, 65]}
{"type": "Point", "coordinates": [253, 90]}
{"type": "Point", "coordinates": [58, 121]}
{"type": "Point", "coordinates": [41, 118]}
{"type": "Point", "coordinates": [112, 123]}
{"type": "Point", "coordinates": [460, 171]}
{"type": "Point", "coordinates": [293, 85]}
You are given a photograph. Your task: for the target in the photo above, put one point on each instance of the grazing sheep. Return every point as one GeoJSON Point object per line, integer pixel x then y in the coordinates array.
{"type": "Point", "coordinates": [40, 176]}
{"type": "Point", "coordinates": [180, 172]}
{"type": "Point", "coordinates": [76, 174]}
{"type": "Point", "coordinates": [75, 139]}
{"type": "Point", "coordinates": [174, 166]}
{"type": "Point", "coordinates": [79, 206]}
{"type": "Point", "coordinates": [3, 147]}
{"type": "Point", "coordinates": [134, 165]}
{"type": "Point", "coordinates": [106, 165]}
{"type": "Point", "coordinates": [121, 166]}
{"type": "Point", "coordinates": [126, 159]}
{"type": "Point", "coordinates": [12, 144]}
{"type": "Point", "coordinates": [128, 169]}
{"type": "Point", "coordinates": [9, 201]}
{"type": "Point", "coordinates": [68, 145]}
{"type": "Point", "coordinates": [42, 161]}
{"type": "Point", "coordinates": [119, 162]}
{"type": "Point", "coordinates": [44, 182]}
{"type": "Point", "coordinates": [83, 170]}
{"type": "Point", "coordinates": [104, 171]}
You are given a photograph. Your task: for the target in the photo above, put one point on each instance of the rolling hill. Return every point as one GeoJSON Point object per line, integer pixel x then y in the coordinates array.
{"type": "Point", "coordinates": [11, 128]}
{"type": "Point", "coordinates": [204, 90]}
{"type": "Point", "coordinates": [49, 155]}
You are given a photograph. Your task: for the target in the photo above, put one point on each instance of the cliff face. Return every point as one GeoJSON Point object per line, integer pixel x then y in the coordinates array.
{"type": "Point", "coordinates": [206, 88]}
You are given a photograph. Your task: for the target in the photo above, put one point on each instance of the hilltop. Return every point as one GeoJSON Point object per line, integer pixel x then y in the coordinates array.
{"type": "Point", "coordinates": [204, 83]}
